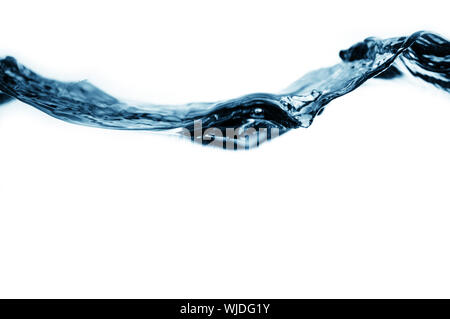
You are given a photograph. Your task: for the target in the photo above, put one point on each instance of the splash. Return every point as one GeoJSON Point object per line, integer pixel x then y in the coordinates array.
{"type": "Point", "coordinates": [242, 122]}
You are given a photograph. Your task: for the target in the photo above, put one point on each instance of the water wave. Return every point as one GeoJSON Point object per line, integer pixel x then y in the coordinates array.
{"type": "Point", "coordinates": [244, 121]}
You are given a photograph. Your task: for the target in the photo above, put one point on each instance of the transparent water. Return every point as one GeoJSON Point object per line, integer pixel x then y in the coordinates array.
{"type": "Point", "coordinates": [245, 121]}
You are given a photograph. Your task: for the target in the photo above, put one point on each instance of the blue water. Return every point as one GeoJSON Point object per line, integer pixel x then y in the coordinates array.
{"type": "Point", "coordinates": [245, 121]}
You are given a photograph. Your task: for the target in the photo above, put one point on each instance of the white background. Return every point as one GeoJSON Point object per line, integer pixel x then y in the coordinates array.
{"type": "Point", "coordinates": [355, 206]}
